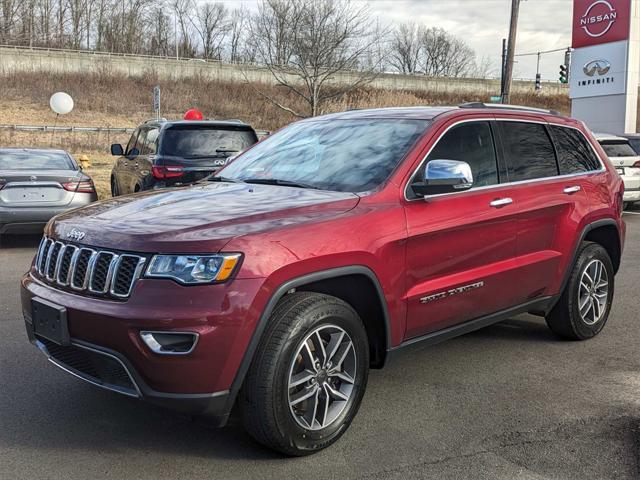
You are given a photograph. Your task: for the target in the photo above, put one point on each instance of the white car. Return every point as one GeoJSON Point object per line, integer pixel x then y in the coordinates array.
{"type": "Point", "coordinates": [626, 161]}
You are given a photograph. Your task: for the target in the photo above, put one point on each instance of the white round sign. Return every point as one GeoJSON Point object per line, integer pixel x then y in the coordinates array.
{"type": "Point", "coordinates": [61, 103]}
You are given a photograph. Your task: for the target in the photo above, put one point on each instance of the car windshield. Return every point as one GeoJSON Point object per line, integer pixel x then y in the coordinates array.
{"type": "Point", "coordinates": [618, 149]}
{"type": "Point", "coordinates": [204, 141]}
{"type": "Point", "coordinates": [340, 155]}
{"type": "Point", "coordinates": [35, 160]}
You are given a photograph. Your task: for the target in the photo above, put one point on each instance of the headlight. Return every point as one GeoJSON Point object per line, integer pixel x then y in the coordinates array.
{"type": "Point", "coordinates": [194, 269]}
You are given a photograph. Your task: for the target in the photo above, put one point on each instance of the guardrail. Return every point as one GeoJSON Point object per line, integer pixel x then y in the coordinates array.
{"type": "Point", "coordinates": [65, 128]}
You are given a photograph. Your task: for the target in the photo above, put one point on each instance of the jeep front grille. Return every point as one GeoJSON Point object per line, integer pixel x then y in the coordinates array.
{"type": "Point", "coordinates": [97, 272]}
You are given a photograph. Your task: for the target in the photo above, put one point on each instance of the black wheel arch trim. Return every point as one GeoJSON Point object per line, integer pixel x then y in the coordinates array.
{"type": "Point", "coordinates": [280, 292]}
{"type": "Point", "coordinates": [589, 227]}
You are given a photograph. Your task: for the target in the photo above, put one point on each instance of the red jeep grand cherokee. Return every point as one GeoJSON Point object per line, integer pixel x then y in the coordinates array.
{"type": "Point", "coordinates": [321, 250]}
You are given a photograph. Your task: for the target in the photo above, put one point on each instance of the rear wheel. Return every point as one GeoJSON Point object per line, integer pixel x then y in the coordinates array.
{"type": "Point", "coordinates": [583, 308]}
{"type": "Point", "coordinates": [308, 376]}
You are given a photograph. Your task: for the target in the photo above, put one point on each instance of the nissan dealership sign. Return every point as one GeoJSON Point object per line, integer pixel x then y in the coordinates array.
{"type": "Point", "coordinates": [600, 21]}
{"type": "Point", "coordinates": [605, 64]}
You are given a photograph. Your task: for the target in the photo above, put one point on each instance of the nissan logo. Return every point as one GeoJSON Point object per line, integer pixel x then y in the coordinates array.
{"type": "Point", "coordinates": [596, 67]}
{"type": "Point", "coordinates": [597, 21]}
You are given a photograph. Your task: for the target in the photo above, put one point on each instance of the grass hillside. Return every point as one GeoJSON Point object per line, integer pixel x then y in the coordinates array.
{"type": "Point", "coordinates": [121, 101]}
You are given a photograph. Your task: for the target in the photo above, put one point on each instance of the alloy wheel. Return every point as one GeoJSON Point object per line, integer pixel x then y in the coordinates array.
{"type": "Point", "coordinates": [593, 292]}
{"type": "Point", "coordinates": [321, 377]}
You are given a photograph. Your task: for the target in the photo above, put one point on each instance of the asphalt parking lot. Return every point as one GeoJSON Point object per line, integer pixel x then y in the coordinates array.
{"type": "Point", "coordinates": [506, 402]}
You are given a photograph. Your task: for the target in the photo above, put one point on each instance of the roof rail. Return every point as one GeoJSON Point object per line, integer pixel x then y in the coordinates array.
{"type": "Point", "coordinates": [505, 106]}
{"type": "Point", "coordinates": [155, 120]}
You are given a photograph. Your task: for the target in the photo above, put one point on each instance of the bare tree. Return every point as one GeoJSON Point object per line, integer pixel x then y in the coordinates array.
{"type": "Point", "coordinates": [322, 38]}
{"type": "Point", "coordinates": [407, 47]}
{"type": "Point", "coordinates": [446, 55]}
{"type": "Point", "coordinates": [237, 26]}
{"type": "Point", "coordinates": [272, 30]}
{"type": "Point", "coordinates": [211, 26]}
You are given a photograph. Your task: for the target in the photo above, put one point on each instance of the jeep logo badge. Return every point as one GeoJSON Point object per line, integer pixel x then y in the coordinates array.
{"type": "Point", "coordinates": [597, 67]}
{"type": "Point", "coordinates": [76, 235]}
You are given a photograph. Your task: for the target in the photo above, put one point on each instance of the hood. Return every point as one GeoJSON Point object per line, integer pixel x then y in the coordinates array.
{"type": "Point", "coordinates": [198, 219]}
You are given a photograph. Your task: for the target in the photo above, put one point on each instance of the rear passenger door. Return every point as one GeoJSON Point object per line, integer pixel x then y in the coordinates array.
{"type": "Point", "coordinates": [550, 207]}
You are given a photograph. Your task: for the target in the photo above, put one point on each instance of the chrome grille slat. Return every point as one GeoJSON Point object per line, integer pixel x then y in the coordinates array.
{"type": "Point", "coordinates": [85, 270]}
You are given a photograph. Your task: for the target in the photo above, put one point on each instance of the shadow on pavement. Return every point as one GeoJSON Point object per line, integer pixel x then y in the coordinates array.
{"type": "Point", "coordinates": [20, 241]}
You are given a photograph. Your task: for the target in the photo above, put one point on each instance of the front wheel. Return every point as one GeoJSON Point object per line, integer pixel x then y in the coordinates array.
{"type": "Point", "coordinates": [583, 308]}
{"type": "Point", "coordinates": [308, 375]}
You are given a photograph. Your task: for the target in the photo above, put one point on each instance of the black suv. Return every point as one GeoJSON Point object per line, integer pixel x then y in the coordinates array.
{"type": "Point", "coordinates": [164, 153]}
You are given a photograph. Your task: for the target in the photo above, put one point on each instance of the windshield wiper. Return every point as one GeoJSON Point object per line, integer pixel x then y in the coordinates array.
{"type": "Point", "coordinates": [280, 183]}
{"type": "Point", "coordinates": [220, 178]}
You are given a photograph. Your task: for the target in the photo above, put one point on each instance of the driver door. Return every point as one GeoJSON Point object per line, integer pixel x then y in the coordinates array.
{"type": "Point", "coordinates": [461, 245]}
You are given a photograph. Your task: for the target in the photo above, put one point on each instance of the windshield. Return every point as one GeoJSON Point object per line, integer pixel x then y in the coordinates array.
{"type": "Point", "coordinates": [204, 141]}
{"type": "Point", "coordinates": [33, 160]}
{"type": "Point", "coordinates": [618, 149]}
{"type": "Point", "coordinates": [341, 155]}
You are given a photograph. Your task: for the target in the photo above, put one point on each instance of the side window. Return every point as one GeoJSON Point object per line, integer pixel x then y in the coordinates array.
{"type": "Point", "coordinates": [529, 151]}
{"type": "Point", "coordinates": [132, 141]}
{"type": "Point", "coordinates": [140, 141]}
{"type": "Point", "coordinates": [151, 145]}
{"type": "Point", "coordinates": [575, 155]}
{"type": "Point", "coordinates": [472, 143]}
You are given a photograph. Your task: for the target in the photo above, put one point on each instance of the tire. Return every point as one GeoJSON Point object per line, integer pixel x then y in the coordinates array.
{"type": "Point", "coordinates": [567, 319]}
{"type": "Point", "coordinates": [114, 187]}
{"type": "Point", "coordinates": [626, 205]}
{"type": "Point", "coordinates": [271, 411]}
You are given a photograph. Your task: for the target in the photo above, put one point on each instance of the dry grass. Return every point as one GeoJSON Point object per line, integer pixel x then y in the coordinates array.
{"type": "Point", "coordinates": [104, 100]}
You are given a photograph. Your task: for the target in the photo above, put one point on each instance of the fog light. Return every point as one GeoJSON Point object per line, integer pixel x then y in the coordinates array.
{"type": "Point", "coordinates": [170, 343]}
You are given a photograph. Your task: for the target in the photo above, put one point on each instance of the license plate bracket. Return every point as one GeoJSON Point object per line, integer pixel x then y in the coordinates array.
{"type": "Point", "coordinates": [50, 321]}
{"type": "Point", "coordinates": [620, 171]}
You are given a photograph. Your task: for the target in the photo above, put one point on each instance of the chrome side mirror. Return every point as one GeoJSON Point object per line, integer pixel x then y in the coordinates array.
{"type": "Point", "coordinates": [443, 176]}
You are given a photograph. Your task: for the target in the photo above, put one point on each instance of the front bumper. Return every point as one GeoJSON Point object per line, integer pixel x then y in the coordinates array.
{"type": "Point", "coordinates": [106, 349]}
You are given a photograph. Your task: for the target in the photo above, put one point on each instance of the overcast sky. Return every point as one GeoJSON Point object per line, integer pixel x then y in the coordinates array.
{"type": "Point", "coordinates": [543, 25]}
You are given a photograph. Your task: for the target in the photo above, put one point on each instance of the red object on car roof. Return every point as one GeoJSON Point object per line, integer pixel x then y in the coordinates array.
{"type": "Point", "coordinates": [193, 114]}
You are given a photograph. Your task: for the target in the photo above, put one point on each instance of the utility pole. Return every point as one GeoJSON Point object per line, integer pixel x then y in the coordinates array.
{"type": "Point", "coordinates": [513, 26]}
{"type": "Point", "coordinates": [503, 67]}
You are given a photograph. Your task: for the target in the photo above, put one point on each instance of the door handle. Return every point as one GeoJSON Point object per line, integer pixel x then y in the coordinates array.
{"type": "Point", "coordinates": [501, 202]}
{"type": "Point", "coordinates": [572, 189]}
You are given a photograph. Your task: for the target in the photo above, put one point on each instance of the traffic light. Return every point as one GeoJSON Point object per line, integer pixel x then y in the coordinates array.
{"type": "Point", "coordinates": [538, 84]}
{"type": "Point", "coordinates": [564, 73]}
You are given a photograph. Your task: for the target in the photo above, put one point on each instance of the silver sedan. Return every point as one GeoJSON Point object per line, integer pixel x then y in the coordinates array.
{"type": "Point", "coordinates": [36, 184]}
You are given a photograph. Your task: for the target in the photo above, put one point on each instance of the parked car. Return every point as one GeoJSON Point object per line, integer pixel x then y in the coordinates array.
{"type": "Point", "coordinates": [626, 162]}
{"type": "Point", "coordinates": [165, 154]}
{"type": "Point", "coordinates": [36, 184]}
{"type": "Point", "coordinates": [322, 251]}
{"type": "Point", "coordinates": [634, 141]}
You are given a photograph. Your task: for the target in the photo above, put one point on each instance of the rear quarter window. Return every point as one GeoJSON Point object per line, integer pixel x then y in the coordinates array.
{"type": "Point", "coordinates": [575, 154]}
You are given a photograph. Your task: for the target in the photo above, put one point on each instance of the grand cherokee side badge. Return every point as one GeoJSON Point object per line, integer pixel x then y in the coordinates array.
{"type": "Point", "coordinates": [449, 293]}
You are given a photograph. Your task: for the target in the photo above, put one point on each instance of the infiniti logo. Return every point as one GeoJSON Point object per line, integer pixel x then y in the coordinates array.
{"type": "Point", "coordinates": [76, 235]}
{"type": "Point", "coordinates": [596, 67]}
{"type": "Point", "coordinates": [599, 18]}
